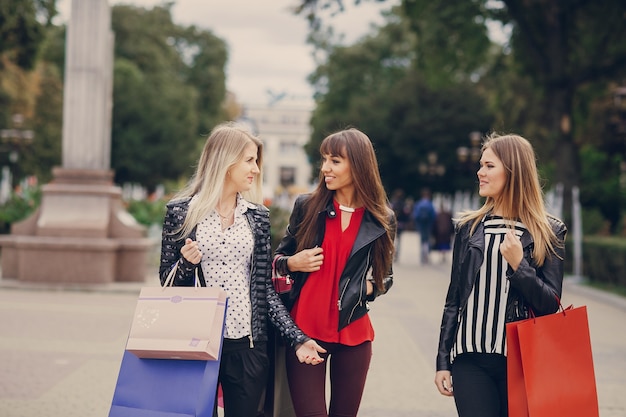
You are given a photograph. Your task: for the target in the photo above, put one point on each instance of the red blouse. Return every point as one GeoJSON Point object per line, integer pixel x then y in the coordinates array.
{"type": "Point", "coordinates": [316, 311]}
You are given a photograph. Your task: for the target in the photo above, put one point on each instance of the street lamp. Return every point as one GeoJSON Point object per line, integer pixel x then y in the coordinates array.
{"type": "Point", "coordinates": [468, 157]}
{"type": "Point", "coordinates": [12, 140]}
{"type": "Point", "coordinates": [431, 168]}
{"type": "Point", "coordinates": [16, 136]}
{"type": "Point", "coordinates": [470, 154]}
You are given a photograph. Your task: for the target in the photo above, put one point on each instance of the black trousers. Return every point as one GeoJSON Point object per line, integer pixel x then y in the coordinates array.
{"type": "Point", "coordinates": [243, 375]}
{"type": "Point", "coordinates": [479, 381]}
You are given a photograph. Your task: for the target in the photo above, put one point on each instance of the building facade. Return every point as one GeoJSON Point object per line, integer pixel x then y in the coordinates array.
{"type": "Point", "coordinates": [284, 129]}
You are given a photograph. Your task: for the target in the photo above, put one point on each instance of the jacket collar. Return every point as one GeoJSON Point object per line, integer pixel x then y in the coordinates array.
{"type": "Point", "coordinates": [369, 231]}
{"type": "Point", "coordinates": [477, 239]}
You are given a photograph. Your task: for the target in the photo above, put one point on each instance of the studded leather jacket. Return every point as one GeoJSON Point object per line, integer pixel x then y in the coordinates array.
{"type": "Point", "coordinates": [264, 300]}
{"type": "Point", "coordinates": [530, 286]}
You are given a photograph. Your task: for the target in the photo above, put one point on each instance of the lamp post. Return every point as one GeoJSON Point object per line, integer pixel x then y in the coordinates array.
{"type": "Point", "coordinates": [14, 138]}
{"type": "Point", "coordinates": [431, 168]}
{"type": "Point", "coordinates": [468, 156]}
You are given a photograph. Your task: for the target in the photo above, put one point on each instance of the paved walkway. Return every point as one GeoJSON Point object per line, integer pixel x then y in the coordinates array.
{"type": "Point", "coordinates": [60, 348]}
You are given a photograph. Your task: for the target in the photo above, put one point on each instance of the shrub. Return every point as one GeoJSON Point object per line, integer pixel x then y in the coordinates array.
{"type": "Point", "coordinates": [147, 212]}
{"type": "Point", "coordinates": [279, 219]}
{"type": "Point", "coordinates": [604, 260]}
{"type": "Point", "coordinates": [593, 222]}
{"type": "Point", "coordinates": [18, 207]}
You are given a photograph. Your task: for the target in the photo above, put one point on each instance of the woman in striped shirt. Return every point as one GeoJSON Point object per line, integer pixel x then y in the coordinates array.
{"type": "Point", "coordinates": [507, 258]}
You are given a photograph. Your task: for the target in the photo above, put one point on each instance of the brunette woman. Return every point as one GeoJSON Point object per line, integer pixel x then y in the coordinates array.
{"type": "Point", "coordinates": [338, 248]}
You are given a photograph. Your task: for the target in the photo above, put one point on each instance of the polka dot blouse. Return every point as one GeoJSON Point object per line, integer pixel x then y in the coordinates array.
{"type": "Point", "coordinates": [226, 263]}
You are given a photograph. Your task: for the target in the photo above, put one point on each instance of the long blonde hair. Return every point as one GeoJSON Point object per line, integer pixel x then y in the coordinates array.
{"type": "Point", "coordinates": [522, 197]}
{"type": "Point", "coordinates": [223, 148]}
{"type": "Point", "coordinates": [357, 148]}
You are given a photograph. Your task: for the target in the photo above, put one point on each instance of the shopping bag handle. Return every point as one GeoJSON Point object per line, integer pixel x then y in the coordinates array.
{"type": "Point", "coordinates": [561, 309]}
{"type": "Point", "coordinates": [169, 281]}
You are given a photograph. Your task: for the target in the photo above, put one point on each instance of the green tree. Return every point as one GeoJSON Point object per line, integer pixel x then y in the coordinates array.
{"type": "Point", "coordinates": [45, 151]}
{"type": "Point", "coordinates": [599, 189]}
{"type": "Point", "coordinates": [169, 84]}
{"type": "Point", "coordinates": [154, 126]}
{"type": "Point", "coordinates": [560, 46]}
{"type": "Point", "coordinates": [566, 46]}
{"type": "Point", "coordinates": [205, 58]}
{"type": "Point", "coordinates": [21, 33]}
{"type": "Point", "coordinates": [21, 37]}
{"type": "Point", "coordinates": [30, 86]}
{"type": "Point", "coordinates": [372, 85]}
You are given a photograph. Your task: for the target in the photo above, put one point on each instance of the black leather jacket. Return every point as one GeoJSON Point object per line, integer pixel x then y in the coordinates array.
{"type": "Point", "coordinates": [352, 285]}
{"type": "Point", "coordinates": [530, 285]}
{"type": "Point", "coordinates": [264, 300]}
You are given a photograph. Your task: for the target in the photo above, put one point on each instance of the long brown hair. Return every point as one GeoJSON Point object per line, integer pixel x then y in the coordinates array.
{"type": "Point", "coordinates": [356, 147]}
{"type": "Point", "coordinates": [522, 196]}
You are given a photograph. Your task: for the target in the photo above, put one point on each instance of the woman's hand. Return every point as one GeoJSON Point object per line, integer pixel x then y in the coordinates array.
{"type": "Point", "coordinates": [307, 260]}
{"type": "Point", "coordinates": [308, 352]}
{"type": "Point", "coordinates": [443, 380]}
{"type": "Point", "coordinates": [191, 252]}
{"type": "Point", "coordinates": [512, 250]}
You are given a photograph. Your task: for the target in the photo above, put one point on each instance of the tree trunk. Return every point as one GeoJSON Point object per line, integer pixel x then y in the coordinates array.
{"type": "Point", "coordinates": [565, 151]}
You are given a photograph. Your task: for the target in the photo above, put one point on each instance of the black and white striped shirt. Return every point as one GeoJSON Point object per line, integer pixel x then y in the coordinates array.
{"type": "Point", "coordinates": [481, 326]}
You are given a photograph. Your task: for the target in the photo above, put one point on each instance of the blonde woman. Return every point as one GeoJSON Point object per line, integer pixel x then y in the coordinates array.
{"type": "Point", "coordinates": [217, 228]}
{"type": "Point", "coordinates": [507, 258]}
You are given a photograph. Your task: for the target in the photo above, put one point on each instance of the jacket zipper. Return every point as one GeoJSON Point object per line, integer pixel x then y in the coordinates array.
{"type": "Point", "coordinates": [358, 303]}
{"type": "Point", "coordinates": [342, 294]}
{"type": "Point", "coordinates": [360, 292]}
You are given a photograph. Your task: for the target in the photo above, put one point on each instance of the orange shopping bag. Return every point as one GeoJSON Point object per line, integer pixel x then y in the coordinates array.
{"type": "Point", "coordinates": [550, 366]}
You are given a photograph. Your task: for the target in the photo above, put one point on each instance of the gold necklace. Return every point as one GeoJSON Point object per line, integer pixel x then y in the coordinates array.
{"type": "Point", "coordinates": [226, 219]}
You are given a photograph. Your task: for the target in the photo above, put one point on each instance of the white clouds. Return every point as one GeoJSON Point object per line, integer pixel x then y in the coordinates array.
{"type": "Point", "coordinates": [267, 44]}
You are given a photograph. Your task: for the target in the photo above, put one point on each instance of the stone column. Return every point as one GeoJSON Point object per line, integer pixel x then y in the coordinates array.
{"type": "Point", "coordinates": [87, 89]}
{"type": "Point", "coordinates": [81, 233]}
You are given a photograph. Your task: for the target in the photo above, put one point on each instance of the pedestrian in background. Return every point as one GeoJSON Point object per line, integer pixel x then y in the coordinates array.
{"type": "Point", "coordinates": [402, 207]}
{"type": "Point", "coordinates": [423, 218]}
{"type": "Point", "coordinates": [217, 229]}
{"type": "Point", "coordinates": [443, 232]}
{"type": "Point", "coordinates": [507, 259]}
{"type": "Point", "coordinates": [336, 236]}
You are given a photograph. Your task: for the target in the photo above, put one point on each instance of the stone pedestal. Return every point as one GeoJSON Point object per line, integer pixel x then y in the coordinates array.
{"type": "Point", "coordinates": [81, 233]}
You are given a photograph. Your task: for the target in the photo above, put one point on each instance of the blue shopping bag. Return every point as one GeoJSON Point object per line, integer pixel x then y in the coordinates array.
{"type": "Point", "coordinates": [165, 388]}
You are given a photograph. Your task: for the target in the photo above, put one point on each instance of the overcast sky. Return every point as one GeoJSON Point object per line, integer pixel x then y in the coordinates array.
{"type": "Point", "coordinates": [267, 44]}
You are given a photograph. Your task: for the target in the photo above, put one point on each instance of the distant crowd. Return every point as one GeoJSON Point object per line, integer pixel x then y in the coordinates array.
{"type": "Point", "coordinates": [435, 226]}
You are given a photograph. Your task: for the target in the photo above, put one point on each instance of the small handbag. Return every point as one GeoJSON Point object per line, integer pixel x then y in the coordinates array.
{"type": "Point", "coordinates": [282, 283]}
